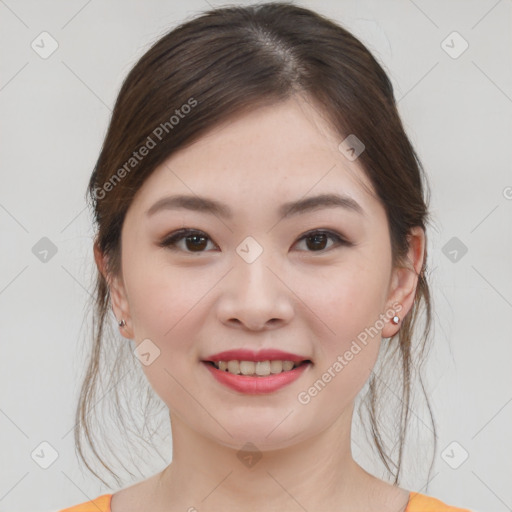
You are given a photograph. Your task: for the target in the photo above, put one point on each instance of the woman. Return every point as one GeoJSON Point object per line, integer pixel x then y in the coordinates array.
{"type": "Point", "coordinates": [260, 228]}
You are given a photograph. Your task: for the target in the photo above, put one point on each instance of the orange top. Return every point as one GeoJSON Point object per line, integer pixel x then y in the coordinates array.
{"type": "Point", "coordinates": [417, 503]}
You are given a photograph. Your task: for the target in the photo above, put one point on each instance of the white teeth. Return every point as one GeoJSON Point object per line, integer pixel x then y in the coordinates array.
{"type": "Point", "coordinates": [259, 368]}
{"type": "Point", "coordinates": [263, 368]}
{"type": "Point", "coordinates": [234, 367]}
{"type": "Point", "coordinates": [247, 367]}
{"type": "Point", "coordinates": [276, 366]}
{"type": "Point", "coordinates": [287, 365]}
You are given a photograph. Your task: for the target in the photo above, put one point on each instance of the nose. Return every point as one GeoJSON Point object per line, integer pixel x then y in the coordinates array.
{"type": "Point", "coordinates": [255, 296]}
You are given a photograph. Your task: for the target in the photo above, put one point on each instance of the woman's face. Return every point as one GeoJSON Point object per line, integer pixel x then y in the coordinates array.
{"type": "Point", "coordinates": [251, 279]}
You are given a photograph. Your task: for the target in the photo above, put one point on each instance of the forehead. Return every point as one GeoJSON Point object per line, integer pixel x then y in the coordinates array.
{"type": "Point", "coordinates": [272, 154]}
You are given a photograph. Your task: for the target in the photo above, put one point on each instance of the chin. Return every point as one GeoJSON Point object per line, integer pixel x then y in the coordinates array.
{"type": "Point", "coordinates": [272, 431]}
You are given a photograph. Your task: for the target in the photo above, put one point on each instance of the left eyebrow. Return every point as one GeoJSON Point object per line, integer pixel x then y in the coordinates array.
{"type": "Point", "coordinates": [318, 202]}
{"type": "Point", "coordinates": [292, 208]}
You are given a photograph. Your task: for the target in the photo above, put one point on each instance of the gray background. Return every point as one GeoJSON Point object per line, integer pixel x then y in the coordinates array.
{"type": "Point", "coordinates": [55, 110]}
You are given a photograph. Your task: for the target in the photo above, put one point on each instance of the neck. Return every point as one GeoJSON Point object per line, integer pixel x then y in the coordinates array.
{"type": "Point", "coordinates": [316, 474]}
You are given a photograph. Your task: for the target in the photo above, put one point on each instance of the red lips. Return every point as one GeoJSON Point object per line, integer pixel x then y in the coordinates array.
{"type": "Point", "coordinates": [251, 355]}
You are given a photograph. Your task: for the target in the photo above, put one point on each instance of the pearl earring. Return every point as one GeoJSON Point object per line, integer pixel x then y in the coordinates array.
{"type": "Point", "coordinates": [395, 319]}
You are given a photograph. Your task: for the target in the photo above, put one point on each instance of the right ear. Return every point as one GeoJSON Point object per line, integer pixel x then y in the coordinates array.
{"type": "Point", "coordinates": [117, 291]}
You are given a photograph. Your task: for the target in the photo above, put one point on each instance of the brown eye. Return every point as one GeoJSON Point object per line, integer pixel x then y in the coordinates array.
{"type": "Point", "coordinates": [195, 241]}
{"type": "Point", "coordinates": [316, 241]}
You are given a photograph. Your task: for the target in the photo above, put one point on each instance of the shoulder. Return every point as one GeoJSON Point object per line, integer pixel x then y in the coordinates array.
{"type": "Point", "coordinates": [422, 503]}
{"type": "Point", "coordinates": [99, 504]}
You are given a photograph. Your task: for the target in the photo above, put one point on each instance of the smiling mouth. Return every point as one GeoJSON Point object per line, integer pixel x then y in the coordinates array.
{"type": "Point", "coordinates": [257, 368]}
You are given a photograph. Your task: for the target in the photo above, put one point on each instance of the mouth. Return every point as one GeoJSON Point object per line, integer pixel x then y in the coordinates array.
{"type": "Point", "coordinates": [256, 373]}
{"type": "Point", "coordinates": [249, 368]}
{"type": "Point", "coordinates": [252, 383]}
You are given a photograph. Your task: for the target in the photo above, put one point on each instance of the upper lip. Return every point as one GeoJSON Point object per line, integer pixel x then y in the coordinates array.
{"type": "Point", "coordinates": [251, 355]}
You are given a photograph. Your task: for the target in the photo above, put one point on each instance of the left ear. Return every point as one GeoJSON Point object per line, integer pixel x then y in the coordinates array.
{"type": "Point", "coordinates": [402, 289]}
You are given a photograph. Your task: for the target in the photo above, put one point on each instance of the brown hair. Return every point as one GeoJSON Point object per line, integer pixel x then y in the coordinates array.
{"type": "Point", "coordinates": [228, 61]}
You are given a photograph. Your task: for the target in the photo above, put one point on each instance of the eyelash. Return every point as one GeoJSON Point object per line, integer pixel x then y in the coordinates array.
{"type": "Point", "coordinates": [170, 241]}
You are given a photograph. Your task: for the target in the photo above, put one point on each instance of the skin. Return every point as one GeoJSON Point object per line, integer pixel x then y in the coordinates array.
{"type": "Point", "coordinates": [308, 301]}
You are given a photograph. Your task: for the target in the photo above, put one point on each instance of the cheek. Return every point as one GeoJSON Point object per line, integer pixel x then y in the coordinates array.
{"type": "Point", "coordinates": [163, 301]}
{"type": "Point", "coordinates": [347, 340]}
{"type": "Point", "coordinates": [160, 295]}
{"type": "Point", "coordinates": [346, 298]}
{"type": "Point", "coordinates": [168, 309]}
{"type": "Point", "coordinates": [163, 304]}
{"type": "Point", "coordinates": [348, 302]}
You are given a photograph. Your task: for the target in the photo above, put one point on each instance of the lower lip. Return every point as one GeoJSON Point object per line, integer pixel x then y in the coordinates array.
{"type": "Point", "coordinates": [256, 385]}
